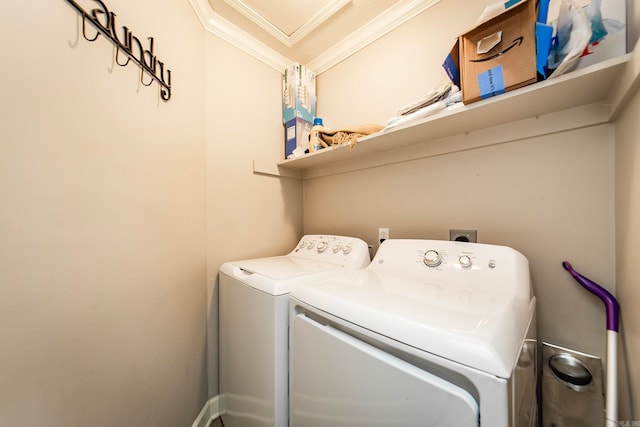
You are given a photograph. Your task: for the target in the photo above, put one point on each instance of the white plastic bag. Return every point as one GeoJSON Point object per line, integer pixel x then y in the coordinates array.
{"type": "Point", "coordinates": [573, 33]}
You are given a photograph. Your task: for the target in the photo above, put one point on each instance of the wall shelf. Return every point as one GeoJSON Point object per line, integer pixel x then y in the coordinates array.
{"type": "Point", "coordinates": [606, 84]}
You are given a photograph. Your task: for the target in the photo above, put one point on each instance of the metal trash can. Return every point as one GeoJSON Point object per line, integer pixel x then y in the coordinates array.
{"type": "Point", "coordinates": [572, 394]}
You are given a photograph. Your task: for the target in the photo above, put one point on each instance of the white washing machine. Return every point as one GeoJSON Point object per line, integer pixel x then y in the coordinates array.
{"type": "Point", "coordinates": [254, 324]}
{"type": "Point", "coordinates": [431, 333]}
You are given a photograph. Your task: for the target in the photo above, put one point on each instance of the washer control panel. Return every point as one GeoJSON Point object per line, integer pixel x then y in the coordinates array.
{"type": "Point", "coordinates": [473, 268]}
{"type": "Point", "coordinates": [342, 250]}
{"type": "Point", "coordinates": [467, 258]}
{"type": "Point", "coordinates": [463, 259]}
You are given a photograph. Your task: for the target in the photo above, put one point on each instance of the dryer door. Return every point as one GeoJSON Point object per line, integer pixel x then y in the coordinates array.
{"type": "Point", "coordinates": [340, 381]}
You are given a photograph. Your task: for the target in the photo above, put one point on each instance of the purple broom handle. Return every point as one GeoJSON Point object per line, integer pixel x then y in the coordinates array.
{"type": "Point", "coordinates": [610, 303]}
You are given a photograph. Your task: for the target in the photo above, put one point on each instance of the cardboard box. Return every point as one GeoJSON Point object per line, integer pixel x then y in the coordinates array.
{"type": "Point", "coordinates": [296, 135]}
{"type": "Point", "coordinates": [498, 55]}
{"type": "Point", "coordinates": [298, 93]}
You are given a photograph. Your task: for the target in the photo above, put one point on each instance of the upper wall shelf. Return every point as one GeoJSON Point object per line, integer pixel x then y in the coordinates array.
{"type": "Point", "coordinates": [595, 84]}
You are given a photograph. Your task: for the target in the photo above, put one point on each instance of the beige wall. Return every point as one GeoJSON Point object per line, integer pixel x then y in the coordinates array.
{"type": "Point", "coordinates": [248, 215]}
{"type": "Point", "coordinates": [627, 159]}
{"type": "Point", "coordinates": [633, 23]}
{"type": "Point", "coordinates": [102, 222]}
{"type": "Point", "coordinates": [551, 197]}
{"type": "Point", "coordinates": [627, 226]}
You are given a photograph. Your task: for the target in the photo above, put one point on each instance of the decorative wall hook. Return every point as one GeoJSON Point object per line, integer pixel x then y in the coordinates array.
{"type": "Point", "coordinates": [104, 22]}
{"type": "Point", "coordinates": [117, 55]}
{"type": "Point", "coordinates": [84, 32]}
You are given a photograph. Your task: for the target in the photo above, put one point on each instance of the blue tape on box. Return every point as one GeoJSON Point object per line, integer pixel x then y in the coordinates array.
{"type": "Point", "coordinates": [491, 82]}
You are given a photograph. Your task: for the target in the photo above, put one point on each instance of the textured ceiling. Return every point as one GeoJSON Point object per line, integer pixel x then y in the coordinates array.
{"type": "Point", "coordinates": [300, 29]}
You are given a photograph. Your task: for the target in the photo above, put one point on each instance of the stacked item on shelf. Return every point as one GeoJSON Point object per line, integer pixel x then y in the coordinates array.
{"type": "Point", "coordinates": [513, 45]}
{"type": "Point", "coordinates": [439, 98]}
{"type": "Point", "coordinates": [298, 106]}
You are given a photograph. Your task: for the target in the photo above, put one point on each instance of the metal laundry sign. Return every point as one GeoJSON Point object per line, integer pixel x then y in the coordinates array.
{"type": "Point", "coordinates": [105, 22]}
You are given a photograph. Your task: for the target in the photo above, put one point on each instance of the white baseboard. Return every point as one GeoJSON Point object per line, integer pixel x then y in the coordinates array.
{"type": "Point", "coordinates": [209, 412]}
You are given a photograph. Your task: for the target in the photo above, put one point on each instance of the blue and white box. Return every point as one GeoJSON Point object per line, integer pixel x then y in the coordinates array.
{"type": "Point", "coordinates": [296, 135]}
{"type": "Point", "coordinates": [298, 93]}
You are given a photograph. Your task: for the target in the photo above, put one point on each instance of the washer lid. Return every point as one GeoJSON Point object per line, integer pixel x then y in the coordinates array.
{"type": "Point", "coordinates": [284, 267]}
{"type": "Point", "coordinates": [278, 275]}
{"type": "Point", "coordinates": [481, 330]}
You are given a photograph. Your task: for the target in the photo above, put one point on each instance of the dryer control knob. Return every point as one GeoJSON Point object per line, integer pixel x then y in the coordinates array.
{"type": "Point", "coordinates": [336, 248]}
{"type": "Point", "coordinates": [322, 246]}
{"type": "Point", "coordinates": [432, 258]}
{"type": "Point", "coordinates": [465, 261]}
{"type": "Point", "coordinates": [346, 250]}
{"type": "Point", "coordinates": [310, 245]}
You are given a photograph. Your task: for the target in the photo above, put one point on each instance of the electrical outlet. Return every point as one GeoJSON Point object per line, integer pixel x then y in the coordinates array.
{"type": "Point", "coordinates": [458, 235]}
{"type": "Point", "coordinates": [383, 234]}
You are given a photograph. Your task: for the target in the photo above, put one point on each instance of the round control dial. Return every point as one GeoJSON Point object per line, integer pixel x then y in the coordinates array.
{"type": "Point", "coordinates": [336, 248]}
{"type": "Point", "coordinates": [310, 245]}
{"type": "Point", "coordinates": [322, 246]}
{"type": "Point", "coordinates": [346, 249]}
{"type": "Point", "coordinates": [465, 261]}
{"type": "Point", "coordinates": [432, 258]}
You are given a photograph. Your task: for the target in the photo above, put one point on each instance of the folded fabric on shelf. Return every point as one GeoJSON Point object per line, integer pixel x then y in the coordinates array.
{"type": "Point", "coordinates": [348, 135]}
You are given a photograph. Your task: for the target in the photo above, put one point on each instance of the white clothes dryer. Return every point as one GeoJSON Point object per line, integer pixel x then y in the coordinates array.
{"type": "Point", "coordinates": [431, 333]}
{"type": "Point", "coordinates": [254, 324]}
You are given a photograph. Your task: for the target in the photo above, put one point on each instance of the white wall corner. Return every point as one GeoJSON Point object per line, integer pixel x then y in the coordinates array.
{"type": "Point", "coordinates": [210, 411]}
{"type": "Point", "coordinates": [378, 27]}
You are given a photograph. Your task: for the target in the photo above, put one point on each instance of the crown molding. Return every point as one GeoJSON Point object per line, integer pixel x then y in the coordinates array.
{"type": "Point", "coordinates": [220, 27]}
{"type": "Point", "coordinates": [290, 40]}
{"type": "Point", "coordinates": [376, 28]}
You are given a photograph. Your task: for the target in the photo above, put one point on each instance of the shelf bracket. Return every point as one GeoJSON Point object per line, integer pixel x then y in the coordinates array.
{"type": "Point", "coordinates": [270, 169]}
